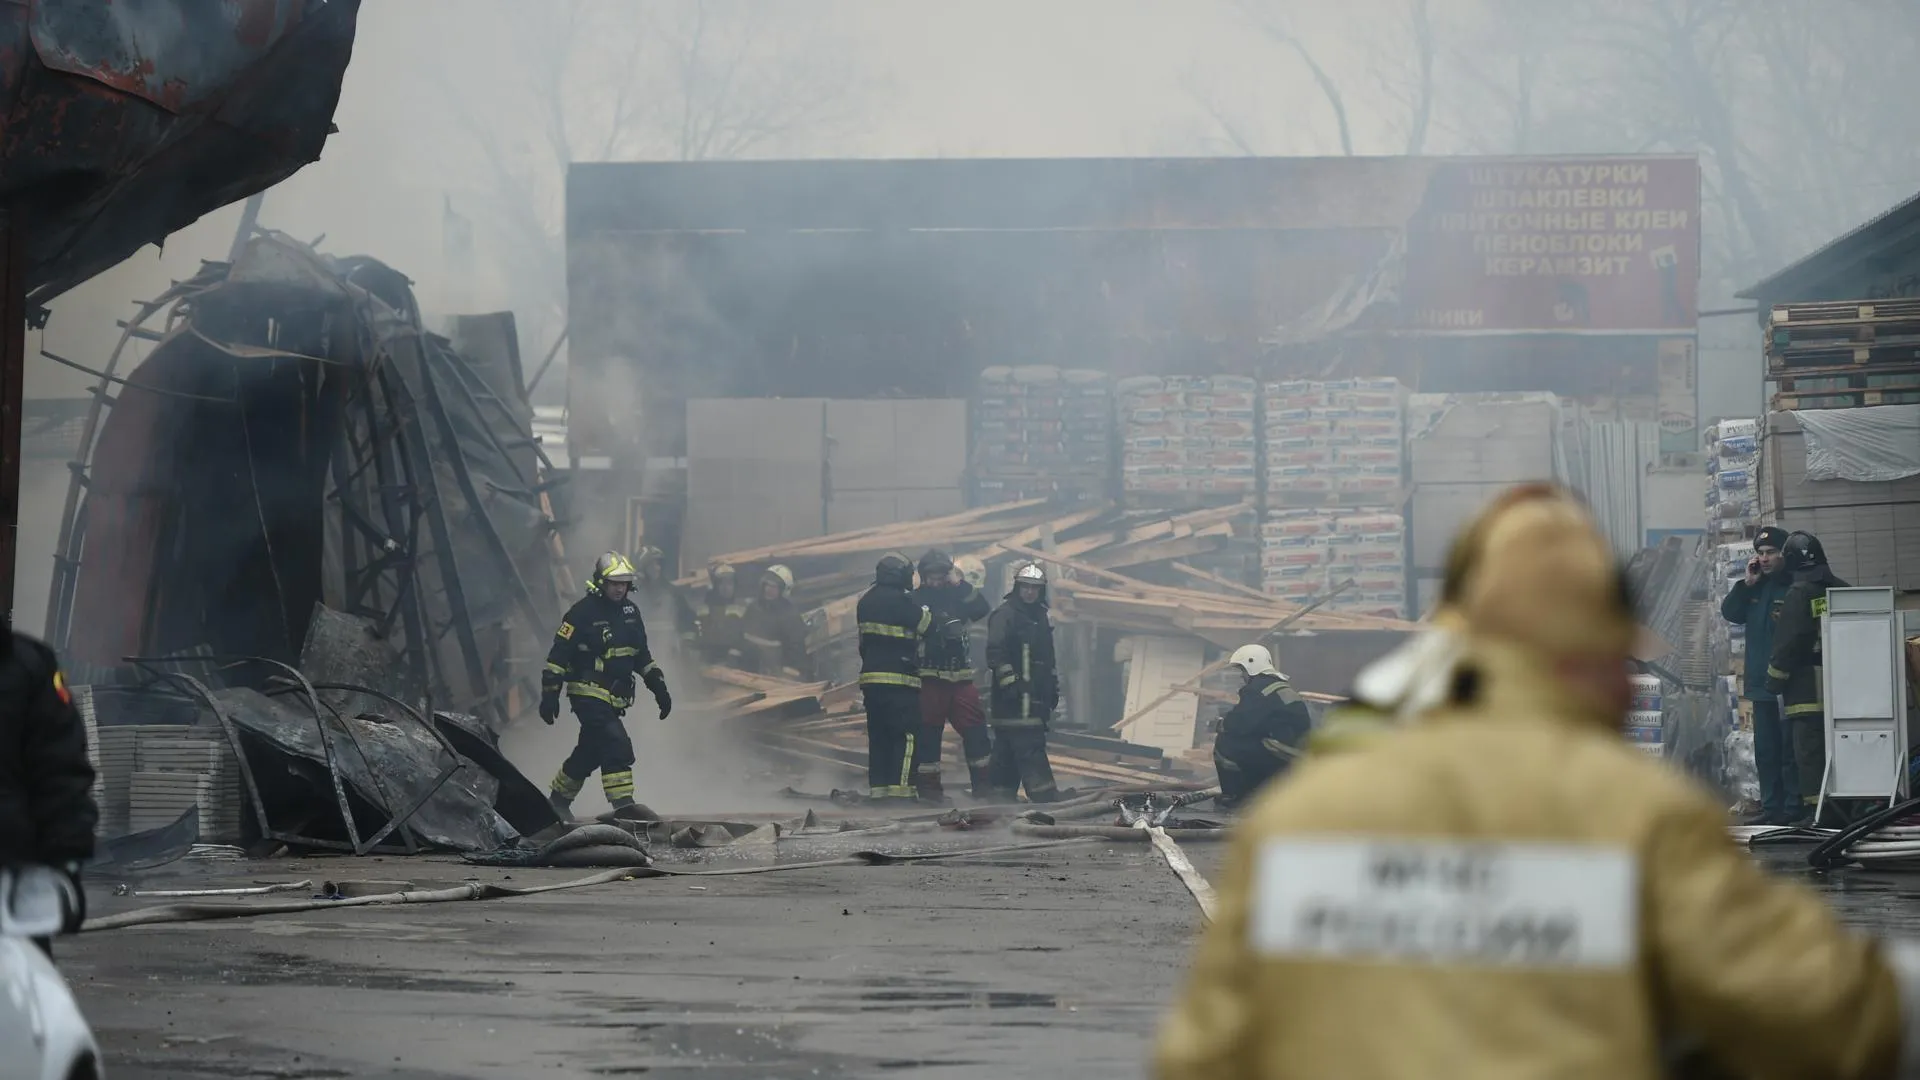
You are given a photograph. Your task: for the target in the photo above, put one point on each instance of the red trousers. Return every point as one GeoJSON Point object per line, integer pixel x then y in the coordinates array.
{"type": "Point", "coordinates": [956, 703]}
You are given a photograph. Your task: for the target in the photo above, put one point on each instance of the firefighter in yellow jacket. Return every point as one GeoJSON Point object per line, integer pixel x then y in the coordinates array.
{"type": "Point", "coordinates": [1506, 888]}
{"type": "Point", "coordinates": [598, 653]}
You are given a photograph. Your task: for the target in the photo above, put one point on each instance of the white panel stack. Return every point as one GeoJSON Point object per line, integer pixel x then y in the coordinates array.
{"type": "Point", "coordinates": [177, 768]}
{"type": "Point", "coordinates": [1188, 438]}
{"type": "Point", "coordinates": [115, 758]}
{"type": "Point", "coordinates": [1733, 512]}
{"type": "Point", "coordinates": [1304, 552]}
{"type": "Point", "coordinates": [1344, 439]}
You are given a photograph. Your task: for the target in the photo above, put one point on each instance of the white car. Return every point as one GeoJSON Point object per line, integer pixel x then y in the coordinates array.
{"type": "Point", "coordinates": [42, 1034]}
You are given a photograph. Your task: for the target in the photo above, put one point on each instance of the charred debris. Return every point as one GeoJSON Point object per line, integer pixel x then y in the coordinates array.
{"type": "Point", "coordinates": [312, 543]}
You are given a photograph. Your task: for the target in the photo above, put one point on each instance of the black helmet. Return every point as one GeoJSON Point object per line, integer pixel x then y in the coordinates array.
{"type": "Point", "coordinates": [1803, 552]}
{"type": "Point", "coordinates": [935, 564]}
{"type": "Point", "coordinates": [894, 569]}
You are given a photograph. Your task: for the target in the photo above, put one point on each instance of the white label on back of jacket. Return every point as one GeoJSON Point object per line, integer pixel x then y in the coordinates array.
{"type": "Point", "coordinates": [1503, 905]}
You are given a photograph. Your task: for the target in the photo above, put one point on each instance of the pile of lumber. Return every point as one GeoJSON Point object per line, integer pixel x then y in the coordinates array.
{"type": "Point", "coordinates": [1115, 567]}
{"type": "Point", "coordinates": [813, 724]}
{"type": "Point", "coordinates": [1844, 354]}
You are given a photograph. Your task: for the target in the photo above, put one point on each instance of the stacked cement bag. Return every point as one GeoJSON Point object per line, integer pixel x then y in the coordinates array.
{"type": "Point", "coordinates": [1188, 438]}
{"type": "Point", "coordinates": [1040, 432]}
{"type": "Point", "coordinates": [1733, 470]}
{"type": "Point", "coordinates": [1340, 439]}
{"type": "Point", "coordinates": [1304, 552]}
{"type": "Point", "coordinates": [1645, 725]}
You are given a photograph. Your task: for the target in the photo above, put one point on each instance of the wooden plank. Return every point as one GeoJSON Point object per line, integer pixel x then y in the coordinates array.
{"type": "Point", "coordinates": [1213, 539]}
{"type": "Point", "coordinates": [1232, 586]}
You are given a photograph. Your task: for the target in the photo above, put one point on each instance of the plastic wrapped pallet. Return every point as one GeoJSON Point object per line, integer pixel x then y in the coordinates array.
{"type": "Point", "coordinates": [1041, 431]}
{"type": "Point", "coordinates": [1188, 437]}
{"type": "Point", "coordinates": [1325, 441]}
{"type": "Point", "coordinates": [1303, 552]}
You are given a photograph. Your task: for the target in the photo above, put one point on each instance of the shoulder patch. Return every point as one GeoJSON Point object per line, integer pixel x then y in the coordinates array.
{"type": "Point", "coordinates": [565, 633]}
{"type": "Point", "coordinates": [1819, 606]}
{"type": "Point", "coordinates": [60, 688]}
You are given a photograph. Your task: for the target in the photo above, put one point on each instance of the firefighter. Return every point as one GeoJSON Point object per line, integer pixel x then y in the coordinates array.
{"type": "Point", "coordinates": [947, 691]}
{"type": "Point", "coordinates": [1263, 732]}
{"type": "Point", "coordinates": [774, 629]}
{"type": "Point", "coordinates": [662, 604]}
{"type": "Point", "coordinates": [892, 626]}
{"type": "Point", "coordinates": [1444, 901]}
{"type": "Point", "coordinates": [722, 628]}
{"type": "Point", "coordinates": [974, 573]}
{"type": "Point", "coordinates": [1026, 688]}
{"type": "Point", "coordinates": [599, 650]}
{"type": "Point", "coordinates": [1793, 668]}
{"type": "Point", "coordinates": [47, 812]}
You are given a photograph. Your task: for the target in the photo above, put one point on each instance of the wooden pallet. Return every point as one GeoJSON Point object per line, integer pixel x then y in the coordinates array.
{"type": "Point", "coordinates": [1845, 311]}
{"type": "Point", "coordinates": [1805, 383]}
{"type": "Point", "coordinates": [1778, 372]}
{"type": "Point", "coordinates": [1897, 351]}
{"type": "Point", "coordinates": [1847, 399]}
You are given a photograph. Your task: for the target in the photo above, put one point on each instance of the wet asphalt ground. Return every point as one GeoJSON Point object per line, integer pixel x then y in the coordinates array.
{"type": "Point", "coordinates": [1054, 963]}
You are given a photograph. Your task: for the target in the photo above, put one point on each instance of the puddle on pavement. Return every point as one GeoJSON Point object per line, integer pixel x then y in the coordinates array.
{"type": "Point", "coordinates": [260, 968]}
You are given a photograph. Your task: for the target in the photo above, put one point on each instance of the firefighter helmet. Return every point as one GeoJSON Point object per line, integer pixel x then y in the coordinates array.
{"type": "Point", "coordinates": [1030, 574]}
{"type": "Point", "coordinates": [973, 570]}
{"type": "Point", "coordinates": [719, 572]}
{"type": "Point", "coordinates": [781, 575]}
{"type": "Point", "coordinates": [935, 565]}
{"type": "Point", "coordinates": [1802, 551]}
{"type": "Point", "coordinates": [648, 561]}
{"type": "Point", "coordinates": [894, 569]}
{"type": "Point", "coordinates": [1254, 660]}
{"type": "Point", "coordinates": [611, 567]}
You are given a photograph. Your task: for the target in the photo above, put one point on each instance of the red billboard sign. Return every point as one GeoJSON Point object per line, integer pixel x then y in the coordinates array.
{"type": "Point", "coordinates": [1556, 245]}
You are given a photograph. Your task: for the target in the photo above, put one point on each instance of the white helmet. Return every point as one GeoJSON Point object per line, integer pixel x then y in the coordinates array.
{"type": "Point", "coordinates": [1254, 660]}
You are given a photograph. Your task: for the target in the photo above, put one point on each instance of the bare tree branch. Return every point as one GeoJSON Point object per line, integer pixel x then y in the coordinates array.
{"type": "Point", "coordinates": [1330, 89]}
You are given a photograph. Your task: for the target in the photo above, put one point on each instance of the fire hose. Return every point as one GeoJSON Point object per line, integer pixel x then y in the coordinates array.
{"type": "Point", "coordinates": [1872, 838]}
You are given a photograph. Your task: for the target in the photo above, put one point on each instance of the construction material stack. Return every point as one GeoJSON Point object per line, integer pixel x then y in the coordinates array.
{"type": "Point", "coordinates": [1844, 354]}
{"type": "Point", "coordinates": [178, 769]}
{"type": "Point", "coordinates": [1305, 552]}
{"type": "Point", "coordinates": [1646, 723]}
{"type": "Point", "coordinates": [1733, 516]}
{"type": "Point", "coordinates": [1343, 440]}
{"type": "Point", "coordinates": [1188, 440]}
{"type": "Point", "coordinates": [1040, 432]}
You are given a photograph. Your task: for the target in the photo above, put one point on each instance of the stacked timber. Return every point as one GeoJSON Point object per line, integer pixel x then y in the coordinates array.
{"type": "Point", "coordinates": [1844, 354]}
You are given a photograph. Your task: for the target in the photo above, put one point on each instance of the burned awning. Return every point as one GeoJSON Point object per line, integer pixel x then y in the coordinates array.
{"type": "Point", "coordinates": [125, 122]}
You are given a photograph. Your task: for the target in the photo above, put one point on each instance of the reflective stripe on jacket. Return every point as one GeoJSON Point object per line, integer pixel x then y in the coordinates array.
{"type": "Point", "coordinates": [891, 625]}
{"type": "Point", "coordinates": [599, 651]}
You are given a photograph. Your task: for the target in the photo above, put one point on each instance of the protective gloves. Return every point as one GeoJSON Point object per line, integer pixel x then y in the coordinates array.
{"type": "Point", "coordinates": [657, 683]}
{"type": "Point", "coordinates": [550, 704]}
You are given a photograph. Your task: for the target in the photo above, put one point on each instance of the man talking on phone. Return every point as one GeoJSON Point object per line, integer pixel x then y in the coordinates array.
{"type": "Point", "coordinates": [1755, 603]}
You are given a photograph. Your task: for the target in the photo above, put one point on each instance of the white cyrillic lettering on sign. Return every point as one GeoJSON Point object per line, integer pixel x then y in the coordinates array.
{"type": "Point", "coordinates": [1517, 905]}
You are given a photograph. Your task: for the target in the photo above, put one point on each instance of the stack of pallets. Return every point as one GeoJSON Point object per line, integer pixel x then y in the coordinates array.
{"type": "Point", "coordinates": [1845, 354]}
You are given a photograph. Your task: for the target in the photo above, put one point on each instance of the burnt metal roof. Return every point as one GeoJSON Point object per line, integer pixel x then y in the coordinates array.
{"type": "Point", "coordinates": [1891, 233]}
{"type": "Point", "coordinates": [121, 123]}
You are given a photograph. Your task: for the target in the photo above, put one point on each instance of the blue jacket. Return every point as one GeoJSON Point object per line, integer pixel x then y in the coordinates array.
{"type": "Point", "coordinates": [1756, 607]}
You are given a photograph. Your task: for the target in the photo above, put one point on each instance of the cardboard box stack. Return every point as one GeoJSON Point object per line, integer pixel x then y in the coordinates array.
{"type": "Point", "coordinates": [1342, 439]}
{"type": "Point", "coordinates": [1041, 431]}
{"type": "Point", "coordinates": [1303, 552]}
{"type": "Point", "coordinates": [1188, 438]}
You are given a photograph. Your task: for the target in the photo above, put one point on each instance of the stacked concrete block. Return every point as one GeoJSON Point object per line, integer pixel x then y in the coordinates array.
{"type": "Point", "coordinates": [1040, 432]}
{"type": "Point", "coordinates": [1188, 439]}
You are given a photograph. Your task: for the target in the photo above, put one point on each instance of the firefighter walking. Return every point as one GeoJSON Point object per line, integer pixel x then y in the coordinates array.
{"type": "Point", "coordinates": [1026, 688]}
{"type": "Point", "coordinates": [892, 626]}
{"type": "Point", "coordinates": [1263, 732]}
{"type": "Point", "coordinates": [598, 652]}
{"type": "Point", "coordinates": [947, 692]}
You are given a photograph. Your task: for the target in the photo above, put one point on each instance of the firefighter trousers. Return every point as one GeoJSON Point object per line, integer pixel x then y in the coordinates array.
{"type": "Point", "coordinates": [958, 703]}
{"type": "Point", "coordinates": [893, 730]}
{"type": "Point", "coordinates": [1245, 766]}
{"type": "Point", "coordinates": [603, 745]}
{"type": "Point", "coordinates": [1807, 735]}
{"type": "Point", "coordinates": [1019, 759]}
